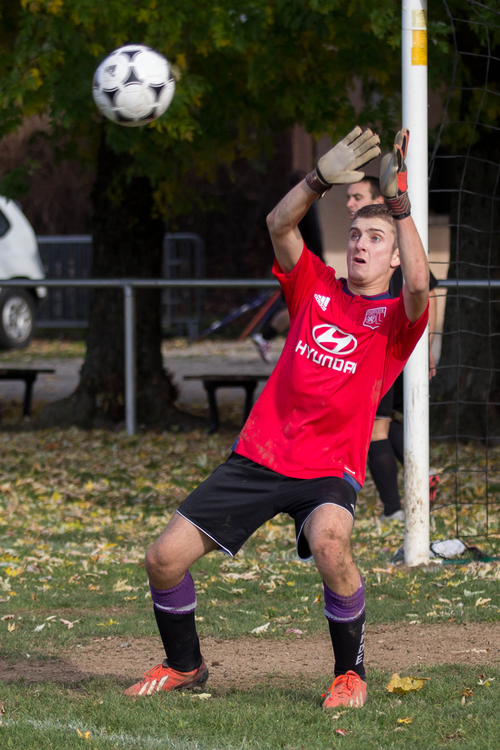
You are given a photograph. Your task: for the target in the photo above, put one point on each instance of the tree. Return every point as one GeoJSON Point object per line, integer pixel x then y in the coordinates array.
{"type": "Point", "coordinates": [247, 71]}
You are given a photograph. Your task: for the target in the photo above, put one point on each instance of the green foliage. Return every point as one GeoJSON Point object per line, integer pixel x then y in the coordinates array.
{"type": "Point", "coordinates": [245, 69]}
{"type": "Point", "coordinates": [15, 182]}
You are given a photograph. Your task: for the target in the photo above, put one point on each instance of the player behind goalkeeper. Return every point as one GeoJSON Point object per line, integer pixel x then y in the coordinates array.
{"type": "Point", "coordinates": [303, 448]}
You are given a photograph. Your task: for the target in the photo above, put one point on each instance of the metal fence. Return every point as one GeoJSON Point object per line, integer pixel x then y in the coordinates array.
{"type": "Point", "coordinates": [70, 257]}
{"type": "Point", "coordinates": [130, 285]}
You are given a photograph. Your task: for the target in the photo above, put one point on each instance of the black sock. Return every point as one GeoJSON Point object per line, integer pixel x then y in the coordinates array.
{"type": "Point", "coordinates": [269, 333]}
{"type": "Point", "coordinates": [180, 640]}
{"type": "Point", "coordinates": [384, 470]}
{"type": "Point", "coordinates": [397, 438]}
{"type": "Point", "coordinates": [348, 641]}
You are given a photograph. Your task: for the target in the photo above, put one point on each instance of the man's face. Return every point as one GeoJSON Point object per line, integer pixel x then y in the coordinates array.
{"type": "Point", "coordinates": [371, 258]}
{"type": "Point", "coordinates": [359, 195]}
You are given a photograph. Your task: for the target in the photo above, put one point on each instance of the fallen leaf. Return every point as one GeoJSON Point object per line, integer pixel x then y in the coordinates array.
{"type": "Point", "coordinates": [202, 696]}
{"type": "Point", "coordinates": [342, 732]}
{"type": "Point", "coordinates": [405, 721]}
{"type": "Point", "coordinates": [39, 628]}
{"type": "Point", "coordinates": [261, 628]}
{"type": "Point", "coordinates": [294, 630]}
{"type": "Point", "coordinates": [481, 602]}
{"type": "Point", "coordinates": [405, 685]}
{"type": "Point", "coordinates": [7, 617]}
{"type": "Point", "coordinates": [484, 681]}
{"type": "Point", "coordinates": [84, 735]}
{"type": "Point", "coordinates": [68, 624]}
{"type": "Point", "coordinates": [122, 586]}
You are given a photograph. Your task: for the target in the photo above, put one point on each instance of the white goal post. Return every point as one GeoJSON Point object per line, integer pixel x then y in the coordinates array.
{"type": "Point", "coordinates": [416, 374]}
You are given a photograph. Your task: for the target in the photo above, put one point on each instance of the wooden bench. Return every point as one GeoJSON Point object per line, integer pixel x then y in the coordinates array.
{"type": "Point", "coordinates": [29, 375]}
{"type": "Point", "coordinates": [212, 382]}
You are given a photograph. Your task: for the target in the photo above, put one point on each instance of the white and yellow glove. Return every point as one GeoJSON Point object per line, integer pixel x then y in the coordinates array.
{"type": "Point", "coordinates": [339, 165]}
{"type": "Point", "coordinates": [394, 177]}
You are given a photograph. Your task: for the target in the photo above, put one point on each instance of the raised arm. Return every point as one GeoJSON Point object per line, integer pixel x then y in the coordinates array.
{"type": "Point", "coordinates": [394, 186]}
{"type": "Point", "coordinates": [338, 166]}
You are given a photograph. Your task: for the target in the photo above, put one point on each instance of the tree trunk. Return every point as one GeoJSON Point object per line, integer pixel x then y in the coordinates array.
{"type": "Point", "coordinates": [127, 242]}
{"type": "Point", "coordinates": [467, 386]}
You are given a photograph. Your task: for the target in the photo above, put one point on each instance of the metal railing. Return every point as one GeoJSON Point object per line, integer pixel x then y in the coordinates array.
{"type": "Point", "coordinates": [130, 285]}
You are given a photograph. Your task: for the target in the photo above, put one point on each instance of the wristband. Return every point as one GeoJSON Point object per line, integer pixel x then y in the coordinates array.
{"type": "Point", "coordinates": [317, 184]}
{"type": "Point", "coordinates": [399, 207]}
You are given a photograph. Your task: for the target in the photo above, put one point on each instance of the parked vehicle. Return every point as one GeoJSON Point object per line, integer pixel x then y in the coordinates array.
{"type": "Point", "coordinates": [19, 259]}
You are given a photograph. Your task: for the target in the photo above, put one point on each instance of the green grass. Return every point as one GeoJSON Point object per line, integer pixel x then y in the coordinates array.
{"type": "Point", "coordinates": [77, 511]}
{"type": "Point", "coordinates": [451, 708]}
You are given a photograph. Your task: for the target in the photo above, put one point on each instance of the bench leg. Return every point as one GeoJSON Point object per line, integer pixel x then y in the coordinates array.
{"type": "Point", "coordinates": [213, 419]}
{"type": "Point", "coordinates": [30, 379]}
{"type": "Point", "coordinates": [249, 391]}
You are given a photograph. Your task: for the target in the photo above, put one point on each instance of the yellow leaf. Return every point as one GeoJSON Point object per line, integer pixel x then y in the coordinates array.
{"type": "Point", "coordinates": [405, 721]}
{"type": "Point", "coordinates": [404, 685]}
{"type": "Point", "coordinates": [122, 585]}
{"type": "Point", "coordinates": [83, 735]}
{"type": "Point", "coordinates": [482, 602]}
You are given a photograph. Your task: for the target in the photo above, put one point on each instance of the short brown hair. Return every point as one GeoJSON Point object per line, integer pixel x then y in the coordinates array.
{"type": "Point", "coordinates": [374, 184]}
{"type": "Point", "coordinates": [377, 211]}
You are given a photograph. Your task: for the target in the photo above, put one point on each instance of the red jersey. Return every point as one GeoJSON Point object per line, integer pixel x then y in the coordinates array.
{"type": "Point", "coordinates": [315, 415]}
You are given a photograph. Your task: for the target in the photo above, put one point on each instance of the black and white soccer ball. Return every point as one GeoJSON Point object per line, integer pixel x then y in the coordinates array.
{"type": "Point", "coordinates": [133, 85]}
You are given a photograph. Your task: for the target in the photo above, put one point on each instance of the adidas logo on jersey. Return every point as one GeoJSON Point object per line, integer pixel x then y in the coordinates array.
{"type": "Point", "coordinates": [322, 301]}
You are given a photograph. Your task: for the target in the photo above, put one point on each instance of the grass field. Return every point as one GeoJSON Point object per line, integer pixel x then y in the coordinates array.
{"type": "Point", "coordinates": [77, 511]}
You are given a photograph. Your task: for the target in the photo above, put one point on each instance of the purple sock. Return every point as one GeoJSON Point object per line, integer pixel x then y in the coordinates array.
{"type": "Point", "coordinates": [180, 600]}
{"type": "Point", "coordinates": [344, 608]}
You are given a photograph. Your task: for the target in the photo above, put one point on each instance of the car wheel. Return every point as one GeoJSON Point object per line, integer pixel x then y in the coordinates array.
{"type": "Point", "coordinates": [17, 318]}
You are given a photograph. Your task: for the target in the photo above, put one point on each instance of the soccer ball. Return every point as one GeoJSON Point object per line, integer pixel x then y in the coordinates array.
{"type": "Point", "coordinates": [133, 85]}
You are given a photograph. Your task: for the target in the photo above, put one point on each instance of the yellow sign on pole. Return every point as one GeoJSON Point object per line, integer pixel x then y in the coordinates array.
{"type": "Point", "coordinates": [419, 47]}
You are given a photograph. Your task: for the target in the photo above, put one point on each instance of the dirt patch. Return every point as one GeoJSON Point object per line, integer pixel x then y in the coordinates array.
{"type": "Point", "coordinates": [389, 647]}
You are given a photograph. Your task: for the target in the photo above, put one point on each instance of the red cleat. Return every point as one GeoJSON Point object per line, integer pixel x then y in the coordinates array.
{"type": "Point", "coordinates": [163, 679]}
{"type": "Point", "coordinates": [347, 690]}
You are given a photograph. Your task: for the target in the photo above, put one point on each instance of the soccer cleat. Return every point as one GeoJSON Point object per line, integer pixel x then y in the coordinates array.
{"type": "Point", "coordinates": [263, 346]}
{"type": "Point", "coordinates": [398, 515]}
{"type": "Point", "coordinates": [347, 690]}
{"type": "Point", "coordinates": [163, 679]}
{"type": "Point", "coordinates": [433, 483]}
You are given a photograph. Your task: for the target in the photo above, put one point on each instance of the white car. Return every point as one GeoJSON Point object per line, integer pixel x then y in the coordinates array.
{"type": "Point", "coordinates": [19, 259]}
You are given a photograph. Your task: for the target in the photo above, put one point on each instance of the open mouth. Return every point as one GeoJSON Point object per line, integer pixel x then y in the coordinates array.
{"type": "Point", "coordinates": [360, 261]}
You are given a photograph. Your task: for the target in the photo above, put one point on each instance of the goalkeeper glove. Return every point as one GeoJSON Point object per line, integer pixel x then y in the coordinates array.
{"type": "Point", "coordinates": [338, 166]}
{"type": "Point", "coordinates": [394, 177]}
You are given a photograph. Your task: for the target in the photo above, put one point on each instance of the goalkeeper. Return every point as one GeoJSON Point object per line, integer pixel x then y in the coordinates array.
{"type": "Point", "coordinates": [303, 449]}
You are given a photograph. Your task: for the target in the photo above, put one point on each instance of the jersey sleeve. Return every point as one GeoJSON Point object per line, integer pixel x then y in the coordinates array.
{"type": "Point", "coordinates": [403, 337]}
{"type": "Point", "coordinates": [298, 283]}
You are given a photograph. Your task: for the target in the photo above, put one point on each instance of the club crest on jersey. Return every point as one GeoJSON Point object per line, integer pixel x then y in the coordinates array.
{"type": "Point", "coordinates": [374, 317]}
{"type": "Point", "coordinates": [322, 301]}
{"type": "Point", "coordinates": [331, 339]}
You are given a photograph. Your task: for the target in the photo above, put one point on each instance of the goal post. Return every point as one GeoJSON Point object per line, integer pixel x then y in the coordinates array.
{"type": "Point", "coordinates": [416, 373]}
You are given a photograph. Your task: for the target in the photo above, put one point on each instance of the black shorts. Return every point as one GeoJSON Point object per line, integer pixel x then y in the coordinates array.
{"type": "Point", "coordinates": [241, 495]}
{"type": "Point", "coordinates": [384, 409]}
